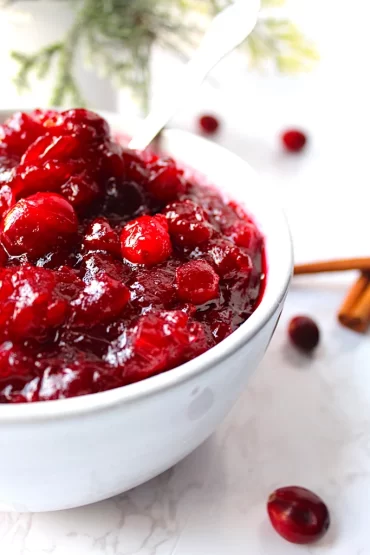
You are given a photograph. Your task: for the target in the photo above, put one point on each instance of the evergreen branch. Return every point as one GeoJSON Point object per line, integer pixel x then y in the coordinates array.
{"type": "Point", "coordinates": [117, 36]}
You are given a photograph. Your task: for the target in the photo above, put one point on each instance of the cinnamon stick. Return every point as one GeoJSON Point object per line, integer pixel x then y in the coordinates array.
{"type": "Point", "coordinates": [355, 310]}
{"type": "Point", "coordinates": [339, 265]}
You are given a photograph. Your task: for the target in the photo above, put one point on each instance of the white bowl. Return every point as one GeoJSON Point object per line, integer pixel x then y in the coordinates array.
{"type": "Point", "coordinates": [68, 453]}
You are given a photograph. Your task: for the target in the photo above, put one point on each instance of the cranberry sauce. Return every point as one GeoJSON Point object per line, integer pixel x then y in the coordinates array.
{"type": "Point", "coordinates": [115, 265]}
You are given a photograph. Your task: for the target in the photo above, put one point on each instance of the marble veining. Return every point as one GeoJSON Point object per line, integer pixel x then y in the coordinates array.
{"type": "Point", "coordinates": [300, 422]}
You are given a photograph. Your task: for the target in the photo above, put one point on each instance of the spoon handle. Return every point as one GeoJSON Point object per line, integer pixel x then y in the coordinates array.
{"type": "Point", "coordinates": [227, 30]}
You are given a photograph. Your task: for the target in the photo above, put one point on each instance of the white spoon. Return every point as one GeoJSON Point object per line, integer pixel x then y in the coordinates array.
{"type": "Point", "coordinates": [227, 30]}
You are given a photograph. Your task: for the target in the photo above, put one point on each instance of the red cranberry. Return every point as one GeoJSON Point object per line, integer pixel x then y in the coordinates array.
{"type": "Point", "coordinates": [7, 199]}
{"type": "Point", "coordinates": [47, 147]}
{"type": "Point", "coordinates": [95, 264]}
{"type": "Point", "coordinates": [239, 211]}
{"type": "Point", "coordinates": [166, 180]}
{"type": "Point", "coordinates": [19, 132]}
{"type": "Point", "coordinates": [38, 224]}
{"type": "Point", "coordinates": [102, 300]}
{"type": "Point", "coordinates": [146, 240]}
{"type": "Point", "coordinates": [135, 168]}
{"type": "Point", "coordinates": [294, 140]}
{"type": "Point", "coordinates": [158, 341]}
{"type": "Point", "coordinates": [153, 286]}
{"type": "Point", "coordinates": [304, 333]}
{"type": "Point", "coordinates": [187, 223]}
{"type": "Point", "coordinates": [63, 381]}
{"type": "Point", "coordinates": [166, 331]}
{"type": "Point", "coordinates": [298, 515]}
{"type": "Point", "coordinates": [162, 339]}
{"type": "Point", "coordinates": [100, 236]}
{"type": "Point", "coordinates": [68, 178]}
{"type": "Point", "coordinates": [113, 165]}
{"type": "Point", "coordinates": [244, 234]}
{"type": "Point", "coordinates": [33, 300]}
{"type": "Point", "coordinates": [86, 125]}
{"type": "Point", "coordinates": [228, 259]}
{"type": "Point", "coordinates": [221, 324]}
{"type": "Point", "coordinates": [197, 282]}
{"type": "Point", "coordinates": [45, 117]}
{"type": "Point", "coordinates": [81, 190]}
{"type": "Point", "coordinates": [49, 176]}
{"type": "Point", "coordinates": [209, 124]}
{"type": "Point", "coordinates": [70, 375]}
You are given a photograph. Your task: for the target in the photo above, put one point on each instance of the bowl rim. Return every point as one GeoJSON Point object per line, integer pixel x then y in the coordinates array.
{"type": "Point", "coordinates": [62, 409]}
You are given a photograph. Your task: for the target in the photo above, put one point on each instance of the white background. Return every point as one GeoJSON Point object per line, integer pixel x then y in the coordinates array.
{"type": "Point", "coordinates": [304, 422]}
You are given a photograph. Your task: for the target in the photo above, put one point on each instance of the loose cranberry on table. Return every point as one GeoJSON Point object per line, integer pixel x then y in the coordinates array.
{"type": "Point", "coordinates": [114, 265]}
{"type": "Point", "coordinates": [304, 333]}
{"type": "Point", "coordinates": [298, 515]}
{"type": "Point", "coordinates": [294, 140]}
{"type": "Point", "coordinates": [208, 124]}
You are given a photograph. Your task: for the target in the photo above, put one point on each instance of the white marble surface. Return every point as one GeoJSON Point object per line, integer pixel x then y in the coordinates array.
{"type": "Point", "coordinates": [304, 422]}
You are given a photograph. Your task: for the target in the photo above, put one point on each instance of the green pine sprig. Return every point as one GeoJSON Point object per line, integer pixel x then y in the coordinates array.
{"type": "Point", "coordinates": [117, 37]}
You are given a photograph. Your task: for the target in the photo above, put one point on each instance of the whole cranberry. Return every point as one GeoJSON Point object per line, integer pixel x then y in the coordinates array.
{"type": "Point", "coordinates": [95, 264]}
{"type": "Point", "coordinates": [112, 164]}
{"type": "Point", "coordinates": [50, 147]}
{"type": "Point", "coordinates": [87, 125]}
{"type": "Point", "coordinates": [197, 282]}
{"type": "Point", "coordinates": [102, 300]}
{"type": "Point", "coordinates": [37, 224]}
{"type": "Point", "coordinates": [135, 168]}
{"type": "Point", "coordinates": [45, 117]}
{"type": "Point", "coordinates": [19, 132]}
{"type": "Point", "coordinates": [298, 515]}
{"type": "Point", "coordinates": [304, 333]}
{"type": "Point", "coordinates": [228, 259]}
{"type": "Point", "coordinates": [209, 124]}
{"type": "Point", "coordinates": [61, 380]}
{"type": "Point", "coordinates": [244, 234]}
{"type": "Point", "coordinates": [33, 300]}
{"type": "Point", "coordinates": [187, 223]}
{"type": "Point", "coordinates": [294, 140]}
{"type": "Point", "coordinates": [48, 176]}
{"type": "Point", "coordinates": [166, 180]}
{"type": "Point", "coordinates": [100, 236]}
{"type": "Point", "coordinates": [146, 240]}
{"type": "Point", "coordinates": [81, 190]}
{"type": "Point", "coordinates": [158, 340]}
